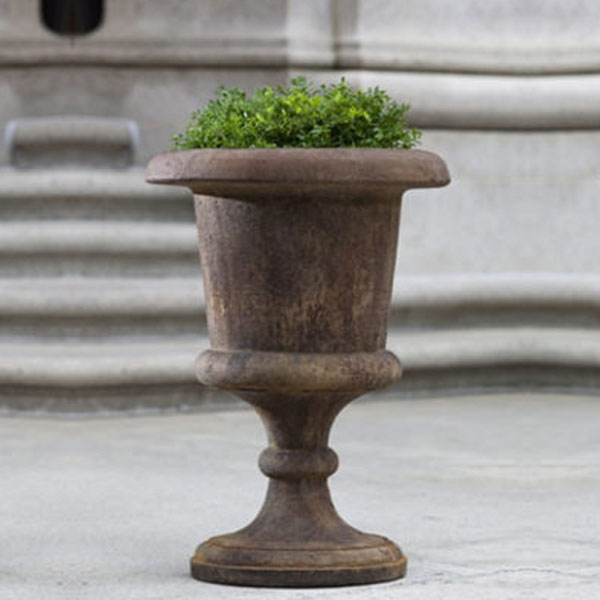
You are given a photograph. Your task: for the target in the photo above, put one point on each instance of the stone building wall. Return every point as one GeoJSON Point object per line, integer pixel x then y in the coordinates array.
{"type": "Point", "coordinates": [498, 280]}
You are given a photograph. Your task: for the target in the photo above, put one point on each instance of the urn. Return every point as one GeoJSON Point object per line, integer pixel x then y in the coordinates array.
{"type": "Point", "coordinates": [298, 248]}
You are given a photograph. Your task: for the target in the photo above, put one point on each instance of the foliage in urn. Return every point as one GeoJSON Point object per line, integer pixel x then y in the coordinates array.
{"type": "Point", "coordinates": [301, 116]}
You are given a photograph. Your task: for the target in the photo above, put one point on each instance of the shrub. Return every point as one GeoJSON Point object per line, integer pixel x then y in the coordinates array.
{"type": "Point", "coordinates": [300, 116]}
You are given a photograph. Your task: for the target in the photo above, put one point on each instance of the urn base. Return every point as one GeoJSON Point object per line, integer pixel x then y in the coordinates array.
{"type": "Point", "coordinates": [298, 539]}
{"type": "Point", "coordinates": [222, 560]}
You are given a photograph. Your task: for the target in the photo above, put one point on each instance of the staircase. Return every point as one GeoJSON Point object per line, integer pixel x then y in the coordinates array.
{"type": "Point", "coordinates": [101, 304]}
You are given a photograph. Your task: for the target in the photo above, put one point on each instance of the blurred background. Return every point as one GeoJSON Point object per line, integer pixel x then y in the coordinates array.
{"type": "Point", "coordinates": [498, 275]}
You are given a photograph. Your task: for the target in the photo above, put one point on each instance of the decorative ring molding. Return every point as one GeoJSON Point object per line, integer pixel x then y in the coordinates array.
{"type": "Point", "coordinates": [283, 372]}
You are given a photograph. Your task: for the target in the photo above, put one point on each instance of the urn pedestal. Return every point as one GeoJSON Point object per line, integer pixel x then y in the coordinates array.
{"type": "Point", "coordinates": [298, 249]}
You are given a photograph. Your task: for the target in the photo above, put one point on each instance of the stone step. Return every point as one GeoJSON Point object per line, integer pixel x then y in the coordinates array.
{"type": "Point", "coordinates": [501, 299]}
{"type": "Point", "coordinates": [484, 347]}
{"type": "Point", "coordinates": [86, 247]}
{"type": "Point", "coordinates": [98, 364]}
{"type": "Point", "coordinates": [94, 237]}
{"type": "Point", "coordinates": [76, 307]}
{"type": "Point", "coordinates": [107, 363]}
{"type": "Point", "coordinates": [42, 142]}
{"type": "Point", "coordinates": [101, 194]}
{"type": "Point", "coordinates": [145, 306]}
{"type": "Point", "coordinates": [81, 376]}
{"type": "Point", "coordinates": [419, 297]}
{"type": "Point", "coordinates": [497, 359]}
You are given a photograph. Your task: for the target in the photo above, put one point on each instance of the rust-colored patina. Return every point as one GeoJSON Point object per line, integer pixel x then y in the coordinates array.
{"type": "Point", "coordinates": [298, 250]}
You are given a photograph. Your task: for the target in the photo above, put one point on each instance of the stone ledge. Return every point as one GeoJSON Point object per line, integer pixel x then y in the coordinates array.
{"type": "Point", "coordinates": [94, 185]}
{"type": "Point", "coordinates": [77, 364]}
{"type": "Point", "coordinates": [433, 302]}
{"type": "Point", "coordinates": [43, 142]}
{"type": "Point", "coordinates": [454, 333]}
{"type": "Point", "coordinates": [484, 101]}
{"type": "Point", "coordinates": [499, 289]}
{"type": "Point", "coordinates": [348, 52]}
{"type": "Point", "coordinates": [426, 295]}
{"type": "Point", "coordinates": [102, 297]}
{"type": "Point", "coordinates": [96, 237]}
{"type": "Point", "coordinates": [101, 363]}
{"type": "Point", "coordinates": [192, 53]}
{"type": "Point", "coordinates": [101, 194]}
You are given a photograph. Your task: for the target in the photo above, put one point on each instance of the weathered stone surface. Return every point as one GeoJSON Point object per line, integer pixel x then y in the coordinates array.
{"type": "Point", "coordinates": [532, 37]}
{"type": "Point", "coordinates": [46, 142]}
{"type": "Point", "coordinates": [177, 33]}
{"type": "Point", "coordinates": [123, 335]}
{"type": "Point", "coordinates": [522, 149]}
{"type": "Point", "coordinates": [298, 250]}
{"type": "Point", "coordinates": [520, 203]}
{"type": "Point", "coordinates": [464, 101]}
{"type": "Point", "coordinates": [480, 36]}
{"type": "Point", "coordinates": [99, 274]}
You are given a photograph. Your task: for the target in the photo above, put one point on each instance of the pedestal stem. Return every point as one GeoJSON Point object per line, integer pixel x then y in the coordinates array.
{"type": "Point", "coordinates": [298, 539]}
{"type": "Point", "coordinates": [298, 507]}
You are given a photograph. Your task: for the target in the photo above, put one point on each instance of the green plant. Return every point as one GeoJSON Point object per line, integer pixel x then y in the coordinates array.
{"type": "Point", "coordinates": [299, 116]}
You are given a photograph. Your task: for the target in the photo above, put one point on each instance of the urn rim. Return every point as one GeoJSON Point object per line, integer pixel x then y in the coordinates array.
{"type": "Point", "coordinates": [229, 171]}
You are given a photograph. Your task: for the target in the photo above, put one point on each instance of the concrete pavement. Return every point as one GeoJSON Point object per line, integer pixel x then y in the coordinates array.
{"type": "Point", "coordinates": [491, 497]}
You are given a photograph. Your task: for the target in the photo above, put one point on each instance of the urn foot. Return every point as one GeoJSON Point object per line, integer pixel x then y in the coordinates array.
{"type": "Point", "coordinates": [222, 560]}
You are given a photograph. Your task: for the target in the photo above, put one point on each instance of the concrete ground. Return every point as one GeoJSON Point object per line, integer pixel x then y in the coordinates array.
{"type": "Point", "coordinates": [491, 497]}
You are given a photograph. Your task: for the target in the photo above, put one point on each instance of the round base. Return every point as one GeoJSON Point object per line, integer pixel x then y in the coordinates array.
{"type": "Point", "coordinates": [218, 561]}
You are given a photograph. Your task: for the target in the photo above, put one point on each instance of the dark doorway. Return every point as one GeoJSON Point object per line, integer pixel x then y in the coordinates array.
{"type": "Point", "coordinates": [72, 18]}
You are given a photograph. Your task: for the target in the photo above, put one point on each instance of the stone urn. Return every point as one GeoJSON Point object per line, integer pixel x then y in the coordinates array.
{"type": "Point", "coordinates": [298, 249]}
